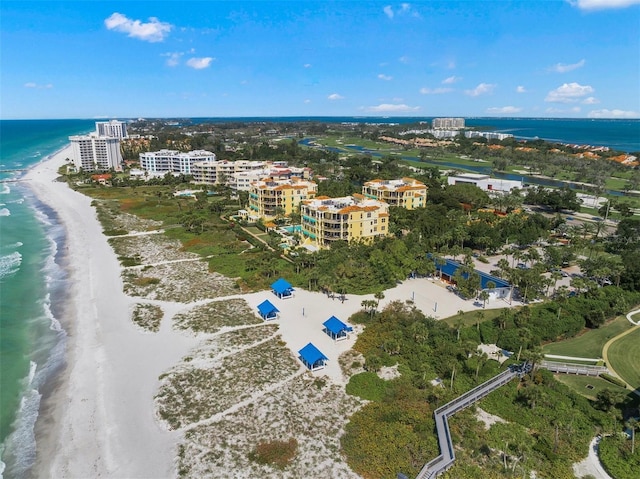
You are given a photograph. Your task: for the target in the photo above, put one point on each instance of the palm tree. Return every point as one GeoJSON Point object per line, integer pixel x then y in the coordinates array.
{"type": "Point", "coordinates": [484, 296]}
{"type": "Point", "coordinates": [379, 296]}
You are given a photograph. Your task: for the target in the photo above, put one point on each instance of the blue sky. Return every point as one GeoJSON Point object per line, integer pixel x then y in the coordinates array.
{"type": "Point", "coordinates": [94, 59]}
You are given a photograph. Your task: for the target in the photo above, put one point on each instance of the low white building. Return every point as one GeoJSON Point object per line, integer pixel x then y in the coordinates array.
{"type": "Point", "coordinates": [485, 182]}
{"type": "Point", "coordinates": [173, 161]}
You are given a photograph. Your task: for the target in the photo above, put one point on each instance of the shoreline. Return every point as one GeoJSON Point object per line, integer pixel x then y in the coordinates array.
{"type": "Point", "coordinates": [98, 418]}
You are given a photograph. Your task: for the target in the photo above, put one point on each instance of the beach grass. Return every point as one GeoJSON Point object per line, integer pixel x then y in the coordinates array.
{"type": "Point", "coordinates": [147, 316]}
{"type": "Point", "coordinates": [301, 408]}
{"type": "Point", "coordinates": [191, 394]}
{"type": "Point", "coordinates": [624, 357]}
{"type": "Point", "coordinates": [590, 343]}
{"type": "Point", "coordinates": [212, 317]}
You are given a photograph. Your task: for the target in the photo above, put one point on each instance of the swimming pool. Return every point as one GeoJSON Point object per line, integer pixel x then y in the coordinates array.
{"type": "Point", "coordinates": [293, 228]}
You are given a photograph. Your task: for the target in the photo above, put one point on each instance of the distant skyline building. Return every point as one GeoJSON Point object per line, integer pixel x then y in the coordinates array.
{"type": "Point", "coordinates": [447, 123]}
{"type": "Point", "coordinates": [95, 153]}
{"type": "Point", "coordinates": [112, 128]}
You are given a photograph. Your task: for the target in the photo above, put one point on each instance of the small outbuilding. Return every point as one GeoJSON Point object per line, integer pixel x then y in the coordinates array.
{"type": "Point", "coordinates": [336, 328]}
{"type": "Point", "coordinates": [282, 289]}
{"type": "Point", "coordinates": [268, 311]}
{"type": "Point", "coordinates": [312, 357]}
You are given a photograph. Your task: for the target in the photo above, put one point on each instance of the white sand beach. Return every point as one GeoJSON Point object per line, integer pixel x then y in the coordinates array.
{"type": "Point", "coordinates": [100, 421]}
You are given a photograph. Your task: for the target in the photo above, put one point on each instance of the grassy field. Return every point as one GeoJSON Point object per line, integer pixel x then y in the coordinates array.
{"type": "Point", "coordinates": [624, 357]}
{"type": "Point", "coordinates": [589, 344]}
{"type": "Point", "coordinates": [472, 317]}
{"type": "Point", "coordinates": [580, 383]}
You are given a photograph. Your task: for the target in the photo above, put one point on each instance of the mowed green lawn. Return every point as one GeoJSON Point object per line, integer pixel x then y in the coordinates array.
{"type": "Point", "coordinates": [589, 344]}
{"type": "Point", "coordinates": [587, 386]}
{"type": "Point", "coordinates": [624, 357]}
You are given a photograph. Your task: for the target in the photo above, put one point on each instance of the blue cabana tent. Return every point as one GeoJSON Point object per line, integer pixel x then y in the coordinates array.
{"type": "Point", "coordinates": [267, 310]}
{"type": "Point", "coordinates": [312, 358]}
{"type": "Point", "coordinates": [282, 289]}
{"type": "Point", "coordinates": [336, 328]}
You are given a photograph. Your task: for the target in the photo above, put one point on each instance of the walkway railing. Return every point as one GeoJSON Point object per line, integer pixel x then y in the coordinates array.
{"type": "Point", "coordinates": [447, 455]}
{"type": "Point", "coordinates": [571, 368]}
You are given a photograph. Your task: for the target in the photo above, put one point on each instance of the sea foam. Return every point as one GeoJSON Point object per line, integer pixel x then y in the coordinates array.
{"type": "Point", "coordinates": [10, 264]}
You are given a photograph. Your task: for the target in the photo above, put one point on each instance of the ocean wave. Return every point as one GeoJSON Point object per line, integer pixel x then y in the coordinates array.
{"type": "Point", "coordinates": [19, 452]}
{"type": "Point", "coordinates": [9, 264]}
{"type": "Point", "coordinates": [5, 189]}
{"type": "Point", "coordinates": [5, 212]}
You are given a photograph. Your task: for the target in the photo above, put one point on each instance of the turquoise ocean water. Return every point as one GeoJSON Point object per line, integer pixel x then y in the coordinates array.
{"type": "Point", "coordinates": [32, 285]}
{"type": "Point", "coordinates": [32, 263]}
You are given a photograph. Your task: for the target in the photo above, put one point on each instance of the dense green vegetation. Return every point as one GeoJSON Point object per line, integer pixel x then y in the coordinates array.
{"type": "Point", "coordinates": [394, 433]}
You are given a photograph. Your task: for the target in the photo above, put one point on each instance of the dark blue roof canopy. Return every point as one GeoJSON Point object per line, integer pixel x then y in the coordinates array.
{"type": "Point", "coordinates": [267, 309]}
{"type": "Point", "coordinates": [450, 268]}
{"type": "Point", "coordinates": [282, 287]}
{"type": "Point", "coordinates": [312, 357]}
{"type": "Point", "coordinates": [335, 326]}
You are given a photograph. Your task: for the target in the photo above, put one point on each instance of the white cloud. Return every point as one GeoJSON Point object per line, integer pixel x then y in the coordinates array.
{"type": "Point", "coordinates": [335, 96]}
{"type": "Point", "coordinates": [404, 59]}
{"type": "Point", "coordinates": [450, 80]}
{"type": "Point", "coordinates": [521, 89]}
{"type": "Point", "coordinates": [199, 63]}
{"type": "Point", "coordinates": [307, 101]}
{"type": "Point", "coordinates": [405, 9]}
{"type": "Point", "coordinates": [173, 58]}
{"type": "Point", "coordinates": [504, 110]}
{"type": "Point", "coordinates": [36, 85]}
{"type": "Point", "coordinates": [564, 68]}
{"type": "Point", "coordinates": [602, 4]}
{"type": "Point", "coordinates": [392, 108]}
{"type": "Point", "coordinates": [575, 109]}
{"type": "Point", "coordinates": [435, 91]}
{"type": "Point", "coordinates": [590, 101]}
{"type": "Point", "coordinates": [568, 93]}
{"type": "Point", "coordinates": [307, 65]}
{"type": "Point", "coordinates": [481, 89]}
{"type": "Point", "coordinates": [382, 76]}
{"type": "Point", "coordinates": [613, 114]}
{"type": "Point", "coordinates": [153, 31]}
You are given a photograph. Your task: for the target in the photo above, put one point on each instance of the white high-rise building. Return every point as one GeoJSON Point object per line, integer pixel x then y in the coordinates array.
{"type": "Point", "coordinates": [112, 128]}
{"type": "Point", "coordinates": [447, 123]}
{"type": "Point", "coordinates": [95, 153]}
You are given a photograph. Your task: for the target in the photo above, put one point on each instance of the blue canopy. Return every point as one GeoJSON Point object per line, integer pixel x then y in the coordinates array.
{"type": "Point", "coordinates": [282, 288]}
{"type": "Point", "coordinates": [334, 327]}
{"type": "Point", "coordinates": [450, 268]}
{"type": "Point", "coordinates": [268, 310]}
{"type": "Point", "coordinates": [312, 357]}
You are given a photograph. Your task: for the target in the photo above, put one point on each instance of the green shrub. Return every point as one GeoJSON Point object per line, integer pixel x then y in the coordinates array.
{"type": "Point", "coordinates": [276, 453]}
{"type": "Point", "coordinates": [367, 385]}
{"type": "Point", "coordinates": [613, 380]}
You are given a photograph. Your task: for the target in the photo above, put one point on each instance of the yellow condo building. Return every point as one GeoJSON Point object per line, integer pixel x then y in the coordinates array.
{"type": "Point", "coordinates": [269, 198]}
{"type": "Point", "coordinates": [407, 192]}
{"type": "Point", "coordinates": [326, 220]}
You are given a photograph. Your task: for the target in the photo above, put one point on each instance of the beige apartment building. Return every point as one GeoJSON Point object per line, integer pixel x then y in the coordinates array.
{"type": "Point", "coordinates": [269, 198]}
{"type": "Point", "coordinates": [327, 220]}
{"type": "Point", "coordinates": [406, 192]}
